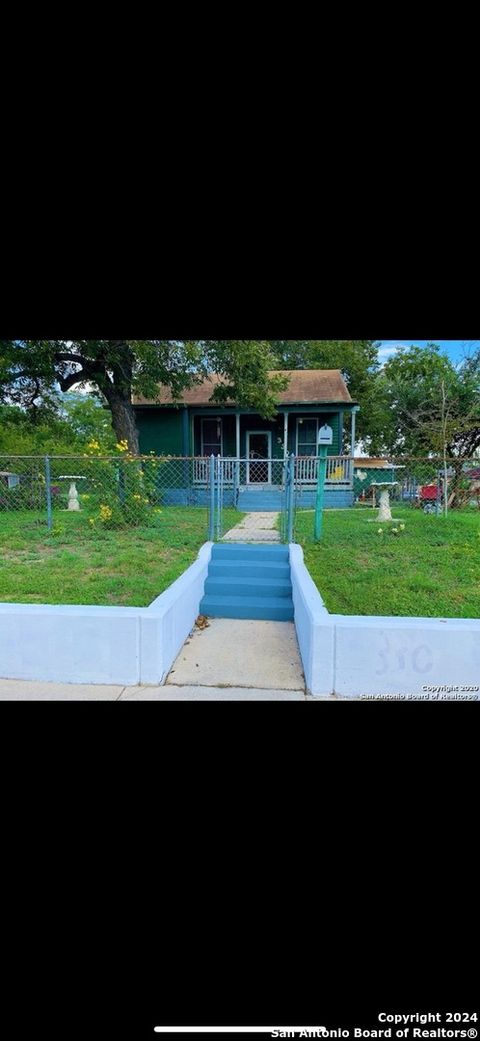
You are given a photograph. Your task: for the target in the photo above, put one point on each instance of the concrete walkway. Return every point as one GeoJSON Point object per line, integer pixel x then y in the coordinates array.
{"type": "Point", "coordinates": [21, 690]}
{"type": "Point", "coordinates": [234, 653]}
{"type": "Point", "coordinates": [171, 693]}
{"type": "Point", "coordinates": [255, 527]}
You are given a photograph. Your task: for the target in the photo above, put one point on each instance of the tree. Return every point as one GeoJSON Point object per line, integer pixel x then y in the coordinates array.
{"type": "Point", "coordinates": [428, 402]}
{"type": "Point", "coordinates": [77, 421]}
{"type": "Point", "coordinates": [30, 370]}
{"type": "Point", "coordinates": [432, 407]}
{"type": "Point", "coordinates": [357, 361]}
{"type": "Point", "coordinates": [90, 420]}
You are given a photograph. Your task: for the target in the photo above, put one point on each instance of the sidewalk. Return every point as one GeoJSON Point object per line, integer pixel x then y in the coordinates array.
{"type": "Point", "coordinates": [21, 690]}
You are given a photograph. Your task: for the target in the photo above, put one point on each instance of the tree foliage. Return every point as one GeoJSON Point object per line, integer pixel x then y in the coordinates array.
{"type": "Point", "coordinates": [357, 361]}
{"type": "Point", "coordinates": [31, 370]}
{"type": "Point", "coordinates": [428, 404]}
{"type": "Point", "coordinates": [67, 427]}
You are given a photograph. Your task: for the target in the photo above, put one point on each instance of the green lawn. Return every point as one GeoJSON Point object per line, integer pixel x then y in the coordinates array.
{"type": "Point", "coordinates": [75, 564]}
{"type": "Point", "coordinates": [431, 569]}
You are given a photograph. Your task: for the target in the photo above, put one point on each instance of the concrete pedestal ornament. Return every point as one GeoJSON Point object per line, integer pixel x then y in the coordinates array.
{"type": "Point", "coordinates": [73, 500]}
{"type": "Point", "coordinates": [384, 513]}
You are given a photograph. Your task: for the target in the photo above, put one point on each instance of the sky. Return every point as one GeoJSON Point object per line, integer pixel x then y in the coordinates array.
{"type": "Point", "coordinates": [455, 349]}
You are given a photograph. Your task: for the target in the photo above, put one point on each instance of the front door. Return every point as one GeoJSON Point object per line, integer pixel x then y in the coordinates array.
{"type": "Point", "coordinates": [259, 453]}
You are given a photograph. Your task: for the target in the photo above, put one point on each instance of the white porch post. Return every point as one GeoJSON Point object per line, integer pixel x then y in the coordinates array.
{"type": "Point", "coordinates": [237, 426]}
{"type": "Point", "coordinates": [285, 436]}
{"type": "Point", "coordinates": [352, 452]}
{"type": "Point", "coordinates": [354, 419]}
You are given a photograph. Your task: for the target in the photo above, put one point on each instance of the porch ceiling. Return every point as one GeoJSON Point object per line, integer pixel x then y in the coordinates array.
{"type": "Point", "coordinates": [282, 410]}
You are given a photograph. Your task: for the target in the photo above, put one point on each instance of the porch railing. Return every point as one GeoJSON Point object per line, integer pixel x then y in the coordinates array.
{"type": "Point", "coordinates": [241, 471]}
{"type": "Point", "coordinates": [339, 470]}
{"type": "Point", "coordinates": [201, 470]}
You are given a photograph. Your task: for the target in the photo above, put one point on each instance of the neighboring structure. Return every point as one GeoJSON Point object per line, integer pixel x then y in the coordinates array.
{"type": "Point", "coordinates": [254, 449]}
{"type": "Point", "coordinates": [370, 471]}
{"type": "Point", "coordinates": [9, 480]}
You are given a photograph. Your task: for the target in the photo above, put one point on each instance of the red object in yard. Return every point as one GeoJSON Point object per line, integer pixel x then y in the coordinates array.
{"type": "Point", "coordinates": [428, 493]}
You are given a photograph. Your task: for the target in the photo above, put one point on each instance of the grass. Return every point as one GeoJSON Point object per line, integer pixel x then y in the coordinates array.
{"type": "Point", "coordinates": [431, 569]}
{"type": "Point", "coordinates": [75, 564]}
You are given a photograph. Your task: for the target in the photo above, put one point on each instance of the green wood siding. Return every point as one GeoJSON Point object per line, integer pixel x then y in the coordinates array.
{"type": "Point", "coordinates": [161, 431]}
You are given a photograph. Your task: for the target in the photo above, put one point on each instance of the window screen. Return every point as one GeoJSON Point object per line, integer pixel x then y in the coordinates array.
{"type": "Point", "coordinates": [307, 436]}
{"type": "Point", "coordinates": [212, 437]}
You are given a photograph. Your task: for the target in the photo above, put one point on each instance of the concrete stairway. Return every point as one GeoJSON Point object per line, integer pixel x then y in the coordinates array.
{"type": "Point", "coordinates": [248, 581]}
{"type": "Point", "coordinates": [258, 500]}
{"type": "Point", "coordinates": [273, 499]}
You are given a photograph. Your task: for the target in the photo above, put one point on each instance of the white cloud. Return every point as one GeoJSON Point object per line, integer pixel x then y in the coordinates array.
{"type": "Point", "coordinates": [389, 350]}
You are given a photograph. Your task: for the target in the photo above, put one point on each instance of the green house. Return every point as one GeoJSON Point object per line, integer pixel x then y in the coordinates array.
{"type": "Point", "coordinates": [254, 450]}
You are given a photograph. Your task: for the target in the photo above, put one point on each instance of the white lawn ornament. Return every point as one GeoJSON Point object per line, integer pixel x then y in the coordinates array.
{"type": "Point", "coordinates": [384, 513]}
{"type": "Point", "coordinates": [73, 500]}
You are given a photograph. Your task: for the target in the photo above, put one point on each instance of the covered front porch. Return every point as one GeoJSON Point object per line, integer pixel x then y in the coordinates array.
{"type": "Point", "coordinates": [253, 451]}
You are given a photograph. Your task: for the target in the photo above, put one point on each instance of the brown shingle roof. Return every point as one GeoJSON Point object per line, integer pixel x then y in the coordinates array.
{"type": "Point", "coordinates": [306, 387]}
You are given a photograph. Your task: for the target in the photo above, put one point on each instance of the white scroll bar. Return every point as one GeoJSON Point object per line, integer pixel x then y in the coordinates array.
{"type": "Point", "coordinates": [229, 1030]}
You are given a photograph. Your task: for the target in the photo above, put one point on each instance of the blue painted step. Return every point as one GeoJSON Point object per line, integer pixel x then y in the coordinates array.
{"type": "Point", "coordinates": [271, 608]}
{"type": "Point", "coordinates": [240, 568]}
{"type": "Point", "coordinates": [232, 551]}
{"type": "Point", "coordinates": [249, 581]}
{"type": "Point", "coordinates": [222, 586]}
{"type": "Point", "coordinates": [260, 503]}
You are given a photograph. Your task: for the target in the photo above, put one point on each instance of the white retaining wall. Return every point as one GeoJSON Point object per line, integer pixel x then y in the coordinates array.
{"type": "Point", "coordinates": [124, 645]}
{"type": "Point", "coordinates": [315, 632]}
{"type": "Point", "coordinates": [170, 618]}
{"type": "Point", "coordinates": [357, 655]}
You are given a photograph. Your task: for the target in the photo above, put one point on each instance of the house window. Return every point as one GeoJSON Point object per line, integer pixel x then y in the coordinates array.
{"type": "Point", "coordinates": [307, 436]}
{"type": "Point", "coordinates": [212, 436]}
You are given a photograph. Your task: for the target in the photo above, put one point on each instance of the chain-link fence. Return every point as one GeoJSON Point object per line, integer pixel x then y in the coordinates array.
{"type": "Point", "coordinates": [429, 484]}
{"type": "Point", "coordinates": [242, 500]}
{"type": "Point", "coordinates": [237, 499]}
{"type": "Point", "coordinates": [110, 492]}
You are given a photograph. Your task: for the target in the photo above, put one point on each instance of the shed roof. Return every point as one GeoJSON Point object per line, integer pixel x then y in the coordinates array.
{"type": "Point", "coordinates": [371, 464]}
{"type": "Point", "coordinates": [306, 387]}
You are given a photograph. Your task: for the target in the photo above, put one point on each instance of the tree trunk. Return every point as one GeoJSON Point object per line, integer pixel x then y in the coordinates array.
{"type": "Point", "coordinates": [123, 420]}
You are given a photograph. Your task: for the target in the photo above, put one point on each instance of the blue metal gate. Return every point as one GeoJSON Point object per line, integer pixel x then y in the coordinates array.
{"type": "Point", "coordinates": [253, 486]}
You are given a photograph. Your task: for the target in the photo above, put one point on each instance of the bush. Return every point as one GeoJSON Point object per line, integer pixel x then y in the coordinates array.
{"type": "Point", "coordinates": [28, 495]}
